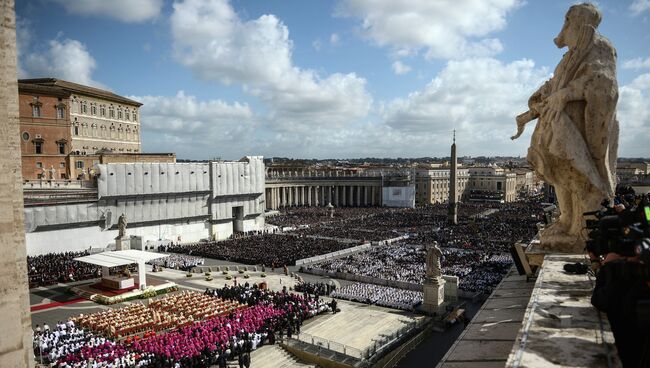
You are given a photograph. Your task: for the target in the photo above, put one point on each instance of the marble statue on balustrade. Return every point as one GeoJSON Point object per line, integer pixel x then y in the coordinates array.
{"type": "Point", "coordinates": [120, 242]}
{"type": "Point", "coordinates": [574, 145]}
{"type": "Point", "coordinates": [433, 270]}
{"type": "Point", "coordinates": [121, 226]}
{"type": "Point", "coordinates": [434, 285]}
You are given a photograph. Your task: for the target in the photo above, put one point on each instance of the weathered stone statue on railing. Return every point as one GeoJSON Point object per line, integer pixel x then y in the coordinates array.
{"type": "Point", "coordinates": [574, 145]}
{"type": "Point", "coordinates": [434, 285]}
{"type": "Point", "coordinates": [434, 254]}
{"type": "Point", "coordinates": [121, 226]}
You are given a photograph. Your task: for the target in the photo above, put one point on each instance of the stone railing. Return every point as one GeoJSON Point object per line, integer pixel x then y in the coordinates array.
{"type": "Point", "coordinates": [337, 254]}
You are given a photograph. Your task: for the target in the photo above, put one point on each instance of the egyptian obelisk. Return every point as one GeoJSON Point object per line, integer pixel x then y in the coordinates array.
{"type": "Point", "coordinates": [453, 188]}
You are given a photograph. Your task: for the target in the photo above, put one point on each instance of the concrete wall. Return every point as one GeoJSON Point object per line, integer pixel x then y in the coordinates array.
{"type": "Point", "coordinates": [222, 231]}
{"type": "Point", "coordinates": [152, 178]}
{"type": "Point", "coordinates": [80, 238]}
{"type": "Point", "coordinates": [15, 341]}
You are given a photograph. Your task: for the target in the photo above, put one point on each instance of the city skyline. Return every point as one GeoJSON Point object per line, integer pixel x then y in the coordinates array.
{"type": "Point", "coordinates": [342, 79]}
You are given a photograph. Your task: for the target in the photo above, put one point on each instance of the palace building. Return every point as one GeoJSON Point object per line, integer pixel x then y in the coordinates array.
{"type": "Point", "coordinates": [59, 119]}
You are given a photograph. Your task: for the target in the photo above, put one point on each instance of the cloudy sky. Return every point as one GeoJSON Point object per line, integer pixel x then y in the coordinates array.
{"type": "Point", "coordinates": [328, 79]}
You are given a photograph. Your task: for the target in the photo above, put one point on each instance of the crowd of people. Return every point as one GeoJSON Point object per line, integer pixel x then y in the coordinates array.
{"type": "Point", "coordinates": [70, 346]}
{"type": "Point", "coordinates": [271, 250]}
{"type": "Point", "coordinates": [380, 295]}
{"type": "Point", "coordinates": [130, 320]}
{"type": "Point", "coordinates": [52, 268]}
{"type": "Point", "coordinates": [218, 325]}
{"type": "Point", "coordinates": [495, 232]}
{"type": "Point", "coordinates": [181, 262]}
{"type": "Point", "coordinates": [477, 271]}
{"type": "Point", "coordinates": [301, 216]}
{"type": "Point", "coordinates": [485, 226]}
{"type": "Point", "coordinates": [194, 305]}
{"type": "Point", "coordinates": [315, 288]}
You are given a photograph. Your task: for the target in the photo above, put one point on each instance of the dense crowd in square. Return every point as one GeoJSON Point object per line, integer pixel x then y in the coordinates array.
{"type": "Point", "coordinates": [53, 268]}
{"type": "Point", "coordinates": [259, 318]}
{"type": "Point", "coordinates": [130, 320]}
{"type": "Point", "coordinates": [272, 250]}
{"type": "Point", "coordinates": [194, 306]}
{"type": "Point", "coordinates": [300, 216]}
{"type": "Point", "coordinates": [178, 262]}
{"type": "Point", "coordinates": [384, 296]}
{"type": "Point", "coordinates": [477, 271]}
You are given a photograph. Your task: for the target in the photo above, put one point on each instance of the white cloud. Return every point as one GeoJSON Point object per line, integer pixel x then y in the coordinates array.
{"type": "Point", "coordinates": [317, 44]}
{"type": "Point", "coordinates": [211, 39]}
{"type": "Point", "coordinates": [639, 6]}
{"type": "Point", "coordinates": [445, 30]}
{"type": "Point", "coordinates": [634, 117]}
{"type": "Point", "coordinates": [334, 39]}
{"type": "Point", "coordinates": [478, 97]}
{"type": "Point", "coordinates": [637, 63]}
{"type": "Point", "coordinates": [195, 128]}
{"type": "Point", "coordinates": [400, 68]}
{"type": "Point", "coordinates": [123, 10]}
{"type": "Point", "coordinates": [67, 59]}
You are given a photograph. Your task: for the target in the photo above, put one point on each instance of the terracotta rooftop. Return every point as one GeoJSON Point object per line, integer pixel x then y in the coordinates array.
{"type": "Point", "coordinates": [75, 88]}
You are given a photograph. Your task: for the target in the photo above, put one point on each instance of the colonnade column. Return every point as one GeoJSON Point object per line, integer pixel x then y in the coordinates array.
{"type": "Point", "coordinates": [365, 195]}
{"type": "Point", "coordinates": [345, 196]}
{"type": "Point", "coordinates": [309, 192]}
{"type": "Point", "coordinates": [288, 199]}
{"type": "Point", "coordinates": [358, 196]}
{"type": "Point", "coordinates": [336, 196]}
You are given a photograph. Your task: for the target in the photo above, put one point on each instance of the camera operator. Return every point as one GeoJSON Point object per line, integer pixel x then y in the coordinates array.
{"type": "Point", "coordinates": [622, 289]}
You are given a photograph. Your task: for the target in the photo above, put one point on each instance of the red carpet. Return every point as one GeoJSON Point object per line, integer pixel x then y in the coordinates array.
{"type": "Point", "coordinates": [54, 304]}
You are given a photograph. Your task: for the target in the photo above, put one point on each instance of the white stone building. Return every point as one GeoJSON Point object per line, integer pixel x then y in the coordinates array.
{"type": "Point", "coordinates": [162, 202]}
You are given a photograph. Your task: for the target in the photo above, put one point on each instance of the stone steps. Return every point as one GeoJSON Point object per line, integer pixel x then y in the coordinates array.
{"type": "Point", "coordinates": [273, 356]}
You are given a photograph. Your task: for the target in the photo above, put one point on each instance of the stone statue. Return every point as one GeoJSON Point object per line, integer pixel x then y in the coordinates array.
{"type": "Point", "coordinates": [433, 261]}
{"type": "Point", "coordinates": [121, 226]}
{"type": "Point", "coordinates": [52, 173]}
{"type": "Point", "coordinates": [574, 145]}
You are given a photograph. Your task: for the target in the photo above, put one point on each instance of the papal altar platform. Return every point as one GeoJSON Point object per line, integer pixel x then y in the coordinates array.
{"type": "Point", "coordinates": [114, 288]}
{"type": "Point", "coordinates": [98, 292]}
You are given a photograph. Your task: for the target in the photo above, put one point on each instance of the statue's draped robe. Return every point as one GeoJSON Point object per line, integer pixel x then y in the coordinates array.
{"type": "Point", "coordinates": [578, 150]}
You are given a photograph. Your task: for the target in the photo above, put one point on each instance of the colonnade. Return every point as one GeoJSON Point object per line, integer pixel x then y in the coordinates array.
{"type": "Point", "coordinates": [321, 195]}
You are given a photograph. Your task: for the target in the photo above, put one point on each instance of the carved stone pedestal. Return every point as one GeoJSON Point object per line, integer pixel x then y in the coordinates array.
{"type": "Point", "coordinates": [122, 243]}
{"type": "Point", "coordinates": [434, 295]}
{"type": "Point", "coordinates": [561, 243]}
